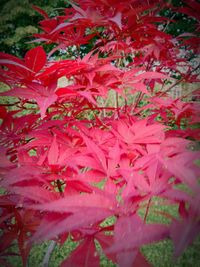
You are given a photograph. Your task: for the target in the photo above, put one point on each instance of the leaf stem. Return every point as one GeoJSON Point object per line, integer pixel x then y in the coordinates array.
{"type": "Point", "coordinates": [147, 210]}
{"type": "Point", "coordinates": [48, 253]}
{"type": "Point", "coordinates": [177, 82]}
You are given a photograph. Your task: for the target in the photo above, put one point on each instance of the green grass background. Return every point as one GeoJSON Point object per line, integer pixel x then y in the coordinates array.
{"type": "Point", "coordinates": [159, 254]}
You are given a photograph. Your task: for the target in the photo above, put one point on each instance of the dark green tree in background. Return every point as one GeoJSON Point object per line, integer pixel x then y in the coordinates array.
{"type": "Point", "coordinates": [19, 22]}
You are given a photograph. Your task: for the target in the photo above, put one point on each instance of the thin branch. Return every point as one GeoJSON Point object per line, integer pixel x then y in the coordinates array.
{"type": "Point", "coordinates": [168, 22]}
{"type": "Point", "coordinates": [177, 82]}
{"type": "Point", "coordinates": [137, 100]}
{"type": "Point", "coordinates": [147, 210]}
{"type": "Point", "coordinates": [49, 251]}
{"type": "Point", "coordinates": [117, 103]}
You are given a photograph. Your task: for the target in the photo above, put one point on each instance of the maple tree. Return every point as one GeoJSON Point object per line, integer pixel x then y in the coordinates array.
{"type": "Point", "coordinates": [70, 159]}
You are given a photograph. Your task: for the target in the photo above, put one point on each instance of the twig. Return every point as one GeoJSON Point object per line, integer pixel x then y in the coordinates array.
{"type": "Point", "coordinates": [177, 82]}
{"type": "Point", "coordinates": [117, 103]}
{"type": "Point", "coordinates": [49, 251]}
{"type": "Point", "coordinates": [137, 100]}
{"type": "Point", "coordinates": [147, 210]}
{"type": "Point", "coordinates": [168, 22]}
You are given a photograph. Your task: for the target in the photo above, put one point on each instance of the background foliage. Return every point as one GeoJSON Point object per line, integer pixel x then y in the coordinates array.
{"type": "Point", "coordinates": [19, 22]}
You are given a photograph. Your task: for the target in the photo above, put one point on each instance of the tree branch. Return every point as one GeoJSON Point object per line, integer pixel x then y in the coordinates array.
{"type": "Point", "coordinates": [177, 82]}
{"type": "Point", "coordinates": [49, 251]}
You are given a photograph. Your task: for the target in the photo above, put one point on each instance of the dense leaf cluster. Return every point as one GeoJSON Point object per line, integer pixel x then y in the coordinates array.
{"type": "Point", "coordinates": [108, 142]}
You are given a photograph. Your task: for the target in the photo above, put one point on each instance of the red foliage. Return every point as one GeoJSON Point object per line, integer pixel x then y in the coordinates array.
{"type": "Point", "coordinates": [69, 162]}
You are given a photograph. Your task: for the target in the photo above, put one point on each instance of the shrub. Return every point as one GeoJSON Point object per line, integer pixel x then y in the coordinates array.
{"type": "Point", "coordinates": [89, 158]}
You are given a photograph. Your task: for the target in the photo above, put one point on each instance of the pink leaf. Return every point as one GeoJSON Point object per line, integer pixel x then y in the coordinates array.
{"type": "Point", "coordinates": [88, 96]}
{"type": "Point", "coordinates": [126, 258]}
{"type": "Point", "coordinates": [96, 150]}
{"type": "Point", "coordinates": [8, 62]}
{"type": "Point", "coordinates": [106, 241]}
{"type": "Point", "coordinates": [20, 174]}
{"type": "Point", "coordinates": [35, 193]}
{"type": "Point", "coordinates": [84, 255]}
{"type": "Point", "coordinates": [88, 161]}
{"type": "Point", "coordinates": [35, 59]}
{"type": "Point", "coordinates": [141, 261]}
{"type": "Point", "coordinates": [117, 19]}
{"type": "Point", "coordinates": [178, 166]}
{"type": "Point", "coordinates": [131, 232]}
{"type": "Point", "coordinates": [183, 233]}
{"type": "Point", "coordinates": [53, 152]}
{"type": "Point", "coordinates": [71, 203]}
{"type": "Point", "coordinates": [92, 176]}
{"type": "Point", "coordinates": [61, 26]}
{"type": "Point", "coordinates": [19, 92]}
{"type": "Point", "coordinates": [84, 217]}
{"type": "Point", "coordinates": [44, 102]}
{"type": "Point", "coordinates": [151, 75]}
{"type": "Point", "coordinates": [42, 12]}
